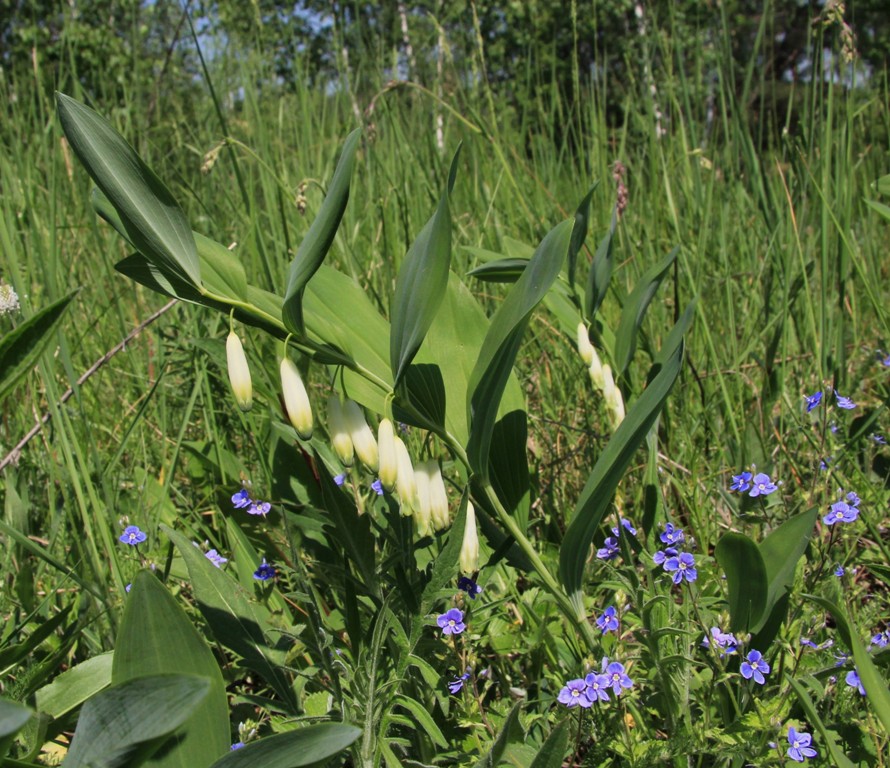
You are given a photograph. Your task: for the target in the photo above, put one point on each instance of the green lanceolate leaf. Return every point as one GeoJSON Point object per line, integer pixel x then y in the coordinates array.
{"type": "Point", "coordinates": [600, 272]}
{"type": "Point", "coordinates": [511, 733]}
{"type": "Point", "coordinates": [882, 185]}
{"type": "Point", "coordinates": [746, 580]}
{"type": "Point", "coordinates": [421, 284]}
{"type": "Point", "coordinates": [635, 309]}
{"type": "Point", "coordinates": [827, 741]}
{"type": "Point", "coordinates": [611, 465]}
{"type": "Point", "coordinates": [500, 271]}
{"type": "Point", "coordinates": [20, 349]}
{"type": "Point", "coordinates": [311, 745]}
{"type": "Point", "coordinates": [318, 239]}
{"type": "Point", "coordinates": [157, 637]}
{"type": "Point", "coordinates": [13, 717]}
{"type": "Point", "coordinates": [236, 622]}
{"type": "Point", "coordinates": [74, 686]}
{"type": "Point", "coordinates": [579, 234]}
{"type": "Point", "coordinates": [552, 751]}
{"type": "Point", "coordinates": [501, 345]}
{"type": "Point", "coordinates": [152, 218]}
{"type": "Point", "coordinates": [123, 726]}
{"type": "Point", "coordinates": [876, 690]}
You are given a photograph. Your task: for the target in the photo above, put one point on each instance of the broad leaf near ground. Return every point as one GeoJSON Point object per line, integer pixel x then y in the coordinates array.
{"type": "Point", "coordinates": [746, 580]}
{"type": "Point", "coordinates": [311, 745]}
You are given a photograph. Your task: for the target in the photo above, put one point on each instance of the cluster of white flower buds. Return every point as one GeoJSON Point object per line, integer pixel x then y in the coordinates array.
{"type": "Point", "coordinates": [601, 377]}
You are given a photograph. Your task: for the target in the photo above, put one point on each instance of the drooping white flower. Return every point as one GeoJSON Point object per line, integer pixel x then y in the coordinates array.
{"type": "Point", "coordinates": [339, 432]}
{"type": "Point", "coordinates": [595, 369]}
{"type": "Point", "coordinates": [422, 514]}
{"type": "Point", "coordinates": [469, 551]}
{"type": "Point", "coordinates": [362, 437]}
{"type": "Point", "coordinates": [438, 496]}
{"type": "Point", "coordinates": [406, 483]}
{"type": "Point", "coordinates": [239, 372]}
{"type": "Point", "coordinates": [296, 399]}
{"type": "Point", "coordinates": [388, 468]}
{"type": "Point", "coordinates": [585, 348]}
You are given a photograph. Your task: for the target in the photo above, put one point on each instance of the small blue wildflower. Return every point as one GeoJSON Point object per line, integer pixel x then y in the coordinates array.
{"type": "Point", "coordinates": [741, 483]}
{"type": "Point", "coordinates": [237, 745]}
{"type": "Point", "coordinates": [456, 685]}
{"type": "Point", "coordinates": [754, 666]}
{"type": "Point", "coordinates": [627, 525]}
{"type": "Point", "coordinates": [215, 557]}
{"type": "Point", "coordinates": [469, 586]}
{"type": "Point", "coordinates": [340, 479]}
{"type": "Point", "coordinates": [840, 659]}
{"type": "Point", "coordinates": [834, 428]}
{"type": "Point", "coordinates": [659, 557]}
{"type": "Point", "coordinates": [265, 571]}
{"type": "Point", "coordinates": [809, 643]}
{"type": "Point", "coordinates": [725, 641]}
{"type": "Point", "coordinates": [839, 571]}
{"type": "Point", "coordinates": [824, 463]}
{"type": "Point", "coordinates": [878, 438]}
{"type": "Point", "coordinates": [259, 508]}
{"type": "Point", "coordinates": [618, 678]}
{"type": "Point", "coordinates": [609, 550]}
{"type": "Point", "coordinates": [242, 499]}
{"type": "Point", "coordinates": [886, 361]}
{"type": "Point", "coordinates": [853, 499]}
{"type": "Point", "coordinates": [841, 512]}
{"type": "Point", "coordinates": [882, 639]}
{"type": "Point", "coordinates": [671, 535]}
{"type": "Point", "coordinates": [844, 402]}
{"type": "Point", "coordinates": [377, 487]}
{"type": "Point", "coordinates": [682, 566]}
{"type": "Point", "coordinates": [852, 679]}
{"type": "Point", "coordinates": [132, 535]}
{"type": "Point", "coordinates": [762, 485]}
{"type": "Point", "coordinates": [608, 621]}
{"type": "Point", "coordinates": [452, 622]}
{"type": "Point", "coordinates": [128, 588]}
{"type": "Point", "coordinates": [799, 745]}
{"type": "Point", "coordinates": [813, 401]}
{"type": "Point", "coordinates": [597, 687]}
{"type": "Point", "coordinates": [574, 694]}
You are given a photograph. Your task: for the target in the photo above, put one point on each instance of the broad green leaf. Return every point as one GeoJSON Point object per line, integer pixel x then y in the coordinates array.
{"type": "Point", "coordinates": [423, 718]}
{"type": "Point", "coordinates": [13, 654]}
{"type": "Point", "coordinates": [318, 239]}
{"type": "Point", "coordinates": [221, 269]}
{"type": "Point", "coordinates": [508, 465]}
{"type": "Point", "coordinates": [74, 686]}
{"type": "Point", "coordinates": [21, 348]}
{"type": "Point", "coordinates": [495, 362]}
{"type": "Point", "coordinates": [635, 309]}
{"type": "Point", "coordinates": [827, 742]}
{"type": "Point", "coordinates": [311, 745]}
{"type": "Point", "coordinates": [152, 218]}
{"type": "Point", "coordinates": [746, 580]}
{"type": "Point", "coordinates": [122, 726]}
{"type": "Point", "coordinates": [152, 627]}
{"type": "Point", "coordinates": [511, 733]}
{"type": "Point", "coordinates": [882, 185]}
{"type": "Point", "coordinates": [781, 550]}
{"type": "Point", "coordinates": [610, 467]}
{"type": "Point", "coordinates": [421, 284]}
{"type": "Point", "coordinates": [876, 690]}
{"type": "Point", "coordinates": [552, 751]}
{"type": "Point", "coordinates": [236, 621]}
{"type": "Point", "coordinates": [600, 272]}
{"type": "Point", "coordinates": [13, 717]}
{"type": "Point", "coordinates": [883, 210]}
{"type": "Point", "coordinates": [500, 271]}
{"type": "Point", "coordinates": [579, 234]}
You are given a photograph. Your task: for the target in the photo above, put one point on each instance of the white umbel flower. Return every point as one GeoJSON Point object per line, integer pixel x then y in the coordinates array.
{"type": "Point", "coordinates": [339, 432]}
{"type": "Point", "coordinates": [388, 469]}
{"type": "Point", "coordinates": [362, 437]}
{"type": "Point", "coordinates": [406, 483]}
{"type": "Point", "coordinates": [239, 372]}
{"type": "Point", "coordinates": [296, 399]}
{"type": "Point", "coordinates": [469, 551]}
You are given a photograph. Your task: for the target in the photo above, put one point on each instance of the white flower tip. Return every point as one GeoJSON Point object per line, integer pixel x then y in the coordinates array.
{"type": "Point", "coordinates": [239, 372]}
{"type": "Point", "coordinates": [469, 551]}
{"type": "Point", "coordinates": [388, 467]}
{"type": "Point", "coordinates": [296, 399]}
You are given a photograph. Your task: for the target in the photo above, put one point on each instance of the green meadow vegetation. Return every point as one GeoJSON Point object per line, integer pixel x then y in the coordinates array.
{"type": "Point", "coordinates": [465, 395]}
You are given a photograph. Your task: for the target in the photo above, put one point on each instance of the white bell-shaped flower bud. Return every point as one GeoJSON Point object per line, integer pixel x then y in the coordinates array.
{"type": "Point", "coordinates": [608, 384]}
{"type": "Point", "coordinates": [239, 372]}
{"type": "Point", "coordinates": [296, 400]}
{"type": "Point", "coordinates": [469, 551]}
{"type": "Point", "coordinates": [595, 369]}
{"type": "Point", "coordinates": [585, 348]}
{"type": "Point", "coordinates": [422, 515]}
{"type": "Point", "coordinates": [406, 483]}
{"type": "Point", "coordinates": [615, 405]}
{"type": "Point", "coordinates": [340, 437]}
{"type": "Point", "coordinates": [438, 496]}
{"type": "Point", "coordinates": [388, 467]}
{"type": "Point", "coordinates": [362, 437]}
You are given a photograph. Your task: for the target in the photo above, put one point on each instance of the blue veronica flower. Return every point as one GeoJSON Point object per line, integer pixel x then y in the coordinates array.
{"type": "Point", "coordinates": [132, 535]}
{"type": "Point", "coordinates": [237, 745]}
{"type": "Point", "coordinates": [853, 499]}
{"type": "Point", "coordinates": [844, 402]}
{"type": "Point", "coordinates": [215, 557]}
{"type": "Point", "coordinates": [451, 622]}
{"type": "Point", "coordinates": [469, 586]}
{"type": "Point", "coordinates": [608, 621]}
{"type": "Point", "coordinates": [574, 694]}
{"type": "Point", "coordinates": [882, 639]}
{"type": "Point", "coordinates": [340, 479]}
{"type": "Point", "coordinates": [813, 401]}
{"type": "Point", "coordinates": [799, 745]}
{"type": "Point", "coordinates": [241, 499]}
{"type": "Point", "coordinates": [627, 525]}
{"type": "Point", "coordinates": [725, 641]}
{"type": "Point", "coordinates": [265, 571]}
{"type": "Point", "coordinates": [841, 512]}
{"type": "Point", "coordinates": [259, 508]}
{"type": "Point", "coordinates": [754, 666]}
{"type": "Point", "coordinates": [659, 557]}
{"type": "Point", "coordinates": [456, 685]}
{"type": "Point", "coordinates": [618, 678]}
{"type": "Point", "coordinates": [597, 687]}
{"type": "Point", "coordinates": [762, 485]}
{"type": "Point", "coordinates": [878, 438]}
{"type": "Point", "coordinates": [609, 550]}
{"type": "Point", "coordinates": [741, 482]}
{"type": "Point", "coordinates": [377, 487]}
{"type": "Point", "coordinates": [852, 679]}
{"type": "Point", "coordinates": [671, 535]}
{"type": "Point", "coordinates": [839, 571]}
{"type": "Point", "coordinates": [682, 566]}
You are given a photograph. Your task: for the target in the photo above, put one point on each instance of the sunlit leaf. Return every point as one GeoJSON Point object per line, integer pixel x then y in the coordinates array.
{"type": "Point", "coordinates": [746, 580]}
{"type": "Point", "coordinates": [600, 272]}
{"type": "Point", "coordinates": [311, 745]}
